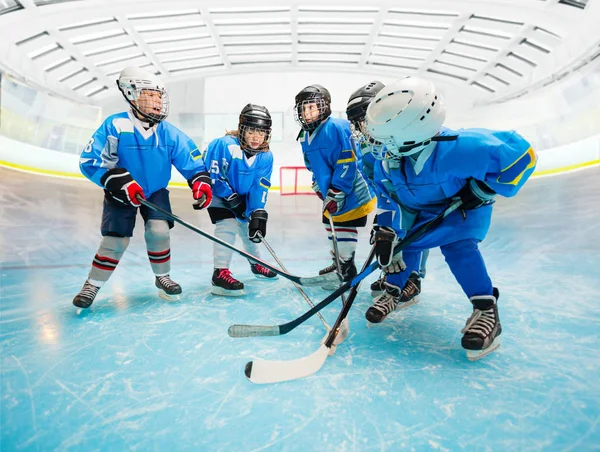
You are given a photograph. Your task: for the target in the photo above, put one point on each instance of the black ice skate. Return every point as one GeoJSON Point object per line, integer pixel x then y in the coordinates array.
{"type": "Point", "coordinates": [482, 330]}
{"type": "Point", "coordinates": [167, 288]}
{"type": "Point", "coordinates": [347, 267]}
{"type": "Point", "coordinates": [86, 295]}
{"type": "Point", "coordinates": [393, 298]}
{"type": "Point", "coordinates": [223, 283]}
{"type": "Point", "coordinates": [262, 272]}
{"type": "Point", "coordinates": [378, 287]}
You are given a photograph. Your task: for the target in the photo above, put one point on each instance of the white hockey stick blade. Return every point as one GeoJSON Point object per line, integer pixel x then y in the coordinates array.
{"type": "Point", "coordinates": [326, 279]}
{"type": "Point", "coordinates": [261, 371]}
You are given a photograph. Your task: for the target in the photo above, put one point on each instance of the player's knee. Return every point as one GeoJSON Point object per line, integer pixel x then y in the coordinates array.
{"type": "Point", "coordinates": [227, 226]}
{"type": "Point", "coordinates": [157, 230]}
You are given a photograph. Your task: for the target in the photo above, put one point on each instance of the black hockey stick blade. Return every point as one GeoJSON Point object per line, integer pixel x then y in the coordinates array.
{"type": "Point", "coordinates": [329, 278]}
{"type": "Point", "coordinates": [278, 330]}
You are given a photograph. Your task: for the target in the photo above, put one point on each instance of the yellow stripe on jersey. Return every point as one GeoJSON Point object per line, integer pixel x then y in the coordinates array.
{"type": "Point", "coordinates": [513, 173]}
{"type": "Point", "coordinates": [354, 214]}
{"type": "Point", "coordinates": [351, 158]}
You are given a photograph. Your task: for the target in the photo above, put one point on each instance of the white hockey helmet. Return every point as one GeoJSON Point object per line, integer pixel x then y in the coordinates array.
{"type": "Point", "coordinates": [132, 81]}
{"type": "Point", "coordinates": [404, 117]}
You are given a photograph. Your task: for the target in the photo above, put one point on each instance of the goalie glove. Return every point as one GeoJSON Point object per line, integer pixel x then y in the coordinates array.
{"type": "Point", "coordinates": [201, 190]}
{"type": "Point", "coordinates": [334, 201]}
{"type": "Point", "coordinates": [317, 190]}
{"type": "Point", "coordinates": [385, 240]}
{"type": "Point", "coordinates": [237, 205]}
{"type": "Point", "coordinates": [257, 228]}
{"type": "Point", "coordinates": [121, 186]}
{"type": "Point", "coordinates": [475, 194]}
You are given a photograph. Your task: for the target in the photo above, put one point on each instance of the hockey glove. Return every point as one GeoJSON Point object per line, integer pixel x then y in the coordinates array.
{"type": "Point", "coordinates": [201, 190]}
{"type": "Point", "coordinates": [334, 201]}
{"type": "Point", "coordinates": [121, 186]}
{"type": "Point", "coordinates": [317, 190]}
{"type": "Point", "coordinates": [237, 205]}
{"type": "Point", "coordinates": [475, 194]}
{"type": "Point", "coordinates": [257, 228]}
{"type": "Point", "coordinates": [385, 240]}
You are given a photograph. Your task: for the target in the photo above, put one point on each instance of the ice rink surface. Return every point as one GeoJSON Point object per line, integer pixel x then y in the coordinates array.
{"type": "Point", "coordinates": [135, 372]}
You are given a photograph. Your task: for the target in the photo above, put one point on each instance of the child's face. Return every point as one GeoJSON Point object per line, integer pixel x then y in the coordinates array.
{"type": "Point", "coordinates": [310, 112]}
{"type": "Point", "coordinates": [255, 137]}
{"type": "Point", "coordinates": [150, 102]}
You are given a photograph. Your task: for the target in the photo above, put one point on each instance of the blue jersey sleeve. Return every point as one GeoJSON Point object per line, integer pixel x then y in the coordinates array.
{"type": "Point", "coordinates": [186, 156]}
{"type": "Point", "coordinates": [343, 160]}
{"type": "Point", "coordinates": [100, 154]}
{"type": "Point", "coordinates": [502, 159]}
{"type": "Point", "coordinates": [257, 196]}
{"type": "Point", "coordinates": [217, 159]}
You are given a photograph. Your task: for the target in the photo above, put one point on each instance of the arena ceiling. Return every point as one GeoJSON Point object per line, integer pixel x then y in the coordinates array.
{"type": "Point", "coordinates": [489, 50]}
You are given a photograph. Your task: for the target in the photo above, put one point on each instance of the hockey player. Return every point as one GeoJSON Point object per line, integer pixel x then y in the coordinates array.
{"type": "Point", "coordinates": [130, 155]}
{"type": "Point", "coordinates": [240, 165]}
{"type": "Point", "coordinates": [387, 200]}
{"type": "Point", "coordinates": [330, 155]}
{"type": "Point", "coordinates": [433, 166]}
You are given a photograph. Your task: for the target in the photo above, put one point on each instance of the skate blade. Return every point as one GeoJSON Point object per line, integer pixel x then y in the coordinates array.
{"type": "Point", "coordinates": [216, 290]}
{"type": "Point", "coordinates": [475, 355]}
{"type": "Point", "coordinates": [407, 304]}
{"type": "Point", "coordinates": [165, 296]}
{"type": "Point", "coordinates": [274, 278]}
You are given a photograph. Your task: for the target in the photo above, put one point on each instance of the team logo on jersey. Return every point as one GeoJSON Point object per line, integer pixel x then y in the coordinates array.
{"type": "Point", "coordinates": [196, 154]}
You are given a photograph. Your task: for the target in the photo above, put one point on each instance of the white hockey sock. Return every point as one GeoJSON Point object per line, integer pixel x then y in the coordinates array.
{"type": "Point", "coordinates": [347, 239]}
{"type": "Point", "coordinates": [158, 244]}
{"type": "Point", "coordinates": [249, 245]}
{"type": "Point", "coordinates": [106, 259]}
{"type": "Point", "coordinates": [226, 230]}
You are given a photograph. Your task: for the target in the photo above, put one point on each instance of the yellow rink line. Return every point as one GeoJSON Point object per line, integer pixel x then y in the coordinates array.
{"type": "Point", "coordinates": [30, 169]}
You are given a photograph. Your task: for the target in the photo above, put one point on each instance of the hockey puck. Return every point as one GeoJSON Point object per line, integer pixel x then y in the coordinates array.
{"type": "Point", "coordinates": [248, 369]}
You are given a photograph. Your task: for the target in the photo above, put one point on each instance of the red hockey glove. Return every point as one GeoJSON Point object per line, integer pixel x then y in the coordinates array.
{"type": "Point", "coordinates": [121, 186]}
{"type": "Point", "coordinates": [334, 201]}
{"type": "Point", "coordinates": [201, 190]}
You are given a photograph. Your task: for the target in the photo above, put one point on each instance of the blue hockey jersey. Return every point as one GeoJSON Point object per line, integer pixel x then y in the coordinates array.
{"type": "Point", "coordinates": [330, 154]}
{"type": "Point", "coordinates": [232, 172]}
{"type": "Point", "coordinates": [122, 142]}
{"type": "Point", "coordinates": [502, 159]}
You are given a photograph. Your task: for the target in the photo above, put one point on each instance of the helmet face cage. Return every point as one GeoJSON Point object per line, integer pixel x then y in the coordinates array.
{"type": "Point", "coordinates": [255, 130]}
{"type": "Point", "coordinates": [149, 101]}
{"type": "Point", "coordinates": [316, 104]}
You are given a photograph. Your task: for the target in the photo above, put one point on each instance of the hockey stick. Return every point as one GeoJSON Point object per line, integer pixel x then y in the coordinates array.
{"type": "Point", "coordinates": [336, 251]}
{"type": "Point", "coordinates": [278, 330]}
{"type": "Point", "coordinates": [262, 371]}
{"type": "Point", "coordinates": [308, 300]}
{"type": "Point", "coordinates": [302, 281]}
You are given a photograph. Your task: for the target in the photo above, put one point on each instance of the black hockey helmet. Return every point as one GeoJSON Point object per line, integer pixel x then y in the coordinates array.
{"type": "Point", "coordinates": [318, 95]}
{"type": "Point", "coordinates": [257, 119]}
{"type": "Point", "coordinates": [356, 110]}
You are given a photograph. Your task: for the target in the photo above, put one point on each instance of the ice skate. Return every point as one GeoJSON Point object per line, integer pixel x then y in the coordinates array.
{"type": "Point", "coordinates": [481, 334]}
{"type": "Point", "coordinates": [167, 288]}
{"type": "Point", "coordinates": [348, 271]}
{"type": "Point", "coordinates": [223, 283]}
{"type": "Point", "coordinates": [85, 297]}
{"type": "Point", "coordinates": [262, 272]}
{"type": "Point", "coordinates": [377, 287]}
{"type": "Point", "coordinates": [392, 299]}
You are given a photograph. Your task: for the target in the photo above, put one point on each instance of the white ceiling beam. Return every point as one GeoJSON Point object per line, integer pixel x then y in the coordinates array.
{"type": "Point", "coordinates": [212, 29]}
{"type": "Point", "coordinates": [376, 27]}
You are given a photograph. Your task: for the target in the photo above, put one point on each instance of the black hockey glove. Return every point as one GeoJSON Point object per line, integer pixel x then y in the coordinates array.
{"type": "Point", "coordinates": [385, 240]}
{"type": "Point", "coordinates": [257, 228]}
{"type": "Point", "coordinates": [475, 194]}
{"type": "Point", "coordinates": [121, 186]}
{"type": "Point", "coordinates": [237, 205]}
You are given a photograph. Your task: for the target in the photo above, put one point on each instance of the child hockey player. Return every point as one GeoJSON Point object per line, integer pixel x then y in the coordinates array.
{"type": "Point", "coordinates": [387, 200]}
{"type": "Point", "coordinates": [330, 155]}
{"type": "Point", "coordinates": [240, 165]}
{"type": "Point", "coordinates": [130, 155]}
{"type": "Point", "coordinates": [432, 167]}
